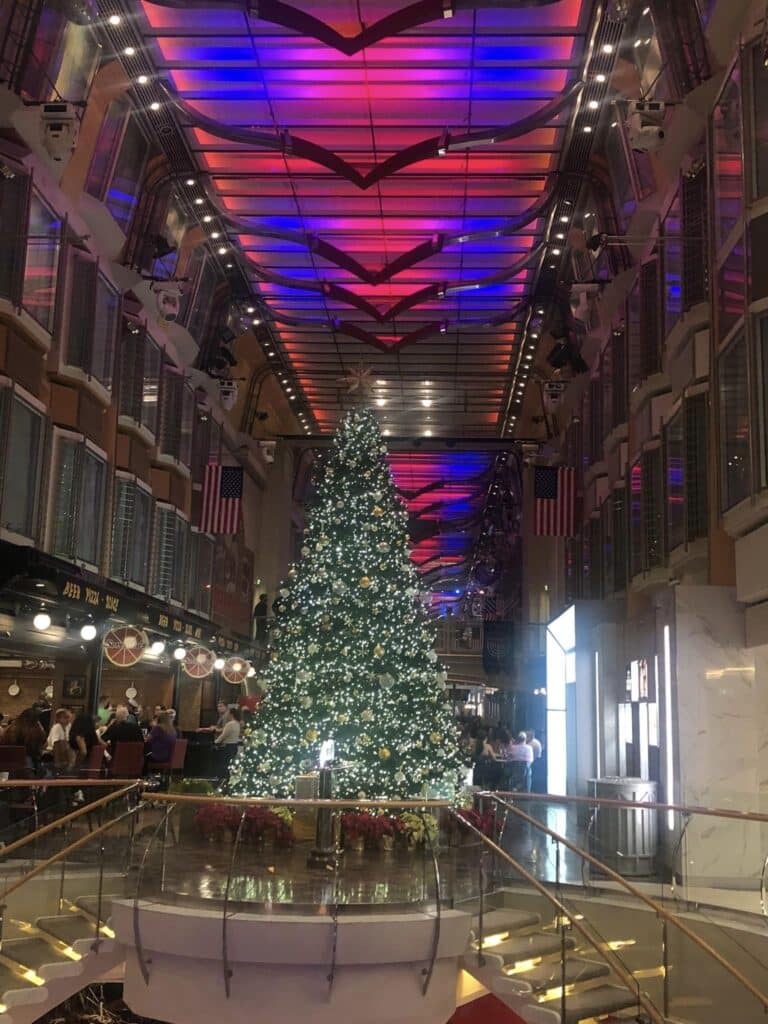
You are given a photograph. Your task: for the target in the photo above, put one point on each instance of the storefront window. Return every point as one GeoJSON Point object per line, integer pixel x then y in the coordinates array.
{"type": "Point", "coordinates": [22, 432]}
{"type": "Point", "coordinates": [79, 482]}
{"type": "Point", "coordinates": [674, 451]}
{"type": "Point", "coordinates": [760, 124]}
{"type": "Point", "coordinates": [730, 290]}
{"type": "Point", "coordinates": [736, 476]}
{"type": "Point", "coordinates": [41, 266]}
{"type": "Point", "coordinates": [131, 531]}
{"type": "Point", "coordinates": [729, 166]}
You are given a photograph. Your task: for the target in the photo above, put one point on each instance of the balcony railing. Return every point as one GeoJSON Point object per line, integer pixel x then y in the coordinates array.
{"type": "Point", "coordinates": [553, 924]}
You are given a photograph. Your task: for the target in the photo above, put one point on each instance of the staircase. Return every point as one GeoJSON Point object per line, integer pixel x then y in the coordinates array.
{"type": "Point", "coordinates": [520, 964]}
{"type": "Point", "coordinates": [45, 962]}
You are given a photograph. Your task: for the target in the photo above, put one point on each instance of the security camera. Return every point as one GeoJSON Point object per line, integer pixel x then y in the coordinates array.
{"type": "Point", "coordinates": [228, 392]}
{"type": "Point", "coordinates": [267, 449]}
{"type": "Point", "coordinates": [645, 124]}
{"type": "Point", "coordinates": [167, 301]}
{"type": "Point", "coordinates": [59, 127]}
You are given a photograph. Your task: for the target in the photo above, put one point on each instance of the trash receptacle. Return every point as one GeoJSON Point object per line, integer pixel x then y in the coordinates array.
{"type": "Point", "coordinates": [625, 838]}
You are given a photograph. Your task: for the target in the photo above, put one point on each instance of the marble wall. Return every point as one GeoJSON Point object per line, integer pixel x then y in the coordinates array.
{"type": "Point", "coordinates": [720, 704]}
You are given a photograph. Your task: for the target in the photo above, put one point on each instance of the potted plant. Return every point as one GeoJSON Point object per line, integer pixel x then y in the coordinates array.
{"type": "Point", "coordinates": [217, 821]}
{"type": "Point", "coordinates": [358, 828]}
{"type": "Point", "coordinates": [418, 828]}
{"type": "Point", "coordinates": [483, 822]}
{"type": "Point", "coordinates": [387, 829]}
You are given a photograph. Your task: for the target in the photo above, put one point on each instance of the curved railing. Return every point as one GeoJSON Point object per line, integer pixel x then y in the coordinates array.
{"type": "Point", "coordinates": [660, 911]}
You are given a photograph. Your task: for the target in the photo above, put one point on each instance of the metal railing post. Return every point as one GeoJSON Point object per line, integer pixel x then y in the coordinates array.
{"type": "Point", "coordinates": [665, 967]}
{"type": "Point", "coordinates": [563, 947]}
{"type": "Point", "coordinates": [163, 849]}
{"type": "Point", "coordinates": [100, 895]}
{"type": "Point", "coordinates": [481, 910]}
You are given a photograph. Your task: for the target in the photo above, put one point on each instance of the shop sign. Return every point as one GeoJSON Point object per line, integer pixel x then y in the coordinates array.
{"type": "Point", "coordinates": [226, 643]}
{"type": "Point", "coordinates": [165, 621]}
{"type": "Point", "coordinates": [93, 597]}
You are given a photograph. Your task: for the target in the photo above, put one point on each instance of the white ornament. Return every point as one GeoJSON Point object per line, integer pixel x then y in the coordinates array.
{"type": "Point", "coordinates": [431, 657]}
{"type": "Point", "coordinates": [305, 551]}
{"type": "Point", "coordinates": [284, 592]}
{"type": "Point", "coordinates": [312, 648]}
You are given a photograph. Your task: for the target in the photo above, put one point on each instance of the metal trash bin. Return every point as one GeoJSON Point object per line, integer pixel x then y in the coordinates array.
{"type": "Point", "coordinates": [625, 838]}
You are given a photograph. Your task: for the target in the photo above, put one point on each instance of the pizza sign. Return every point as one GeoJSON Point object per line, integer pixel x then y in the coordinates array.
{"type": "Point", "coordinates": [125, 646]}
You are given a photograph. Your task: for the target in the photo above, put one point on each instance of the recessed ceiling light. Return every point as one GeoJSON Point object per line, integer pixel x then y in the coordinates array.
{"type": "Point", "coordinates": [428, 433]}
{"type": "Point", "coordinates": [256, 321]}
{"type": "Point", "coordinates": [381, 383]}
{"type": "Point", "coordinates": [199, 201]}
{"type": "Point", "coordinates": [386, 432]}
{"type": "Point", "coordinates": [190, 181]}
{"type": "Point", "coordinates": [222, 250]}
{"type": "Point", "coordinates": [207, 218]}
{"type": "Point", "coordinates": [271, 352]}
{"type": "Point", "coordinates": [560, 235]}
{"type": "Point", "coordinates": [608, 48]}
{"type": "Point", "coordinates": [156, 106]}
{"type": "Point", "coordinates": [593, 104]}
{"type": "Point", "coordinates": [564, 220]}
{"type": "Point", "coordinates": [129, 51]}
{"type": "Point", "coordinates": [115, 19]}
{"type": "Point", "coordinates": [215, 234]}
{"type": "Point", "coordinates": [142, 79]}
{"type": "Point", "coordinates": [556, 252]}
{"type": "Point", "coordinates": [599, 78]}
{"type": "Point", "coordinates": [426, 402]}
{"type": "Point", "coordinates": [587, 128]}
{"type": "Point", "coordinates": [381, 401]}
{"type": "Point", "coordinates": [427, 383]}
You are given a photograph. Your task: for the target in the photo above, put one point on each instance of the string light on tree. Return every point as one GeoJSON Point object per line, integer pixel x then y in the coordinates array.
{"type": "Point", "coordinates": [353, 661]}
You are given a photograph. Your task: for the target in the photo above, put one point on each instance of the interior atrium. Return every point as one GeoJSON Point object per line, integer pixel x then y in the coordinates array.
{"type": "Point", "coordinates": [383, 511]}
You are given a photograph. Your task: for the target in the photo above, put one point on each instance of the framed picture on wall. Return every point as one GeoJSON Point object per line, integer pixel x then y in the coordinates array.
{"type": "Point", "coordinates": [73, 687]}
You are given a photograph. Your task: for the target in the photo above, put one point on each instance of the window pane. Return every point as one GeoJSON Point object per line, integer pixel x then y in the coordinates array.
{"type": "Point", "coordinates": [121, 197]}
{"type": "Point", "coordinates": [619, 538]}
{"type": "Point", "coordinates": [101, 162]}
{"type": "Point", "coordinates": [696, 463]}
{"type": "Point", "coordinates": [90, 508]}
{"type": "Point", "coordinates": [200, 306]}
{"type": "Point", "coordinates": [81, 286]}
{"type": "Point", "coordinates": [65, 493]}
{"type": "Point", "coordinates": [675, 482]}
{"type": "Point", "coordinates": [734, 423]}
{"type": "Point", "coordinates": [150, 393]}
{"type": "Point", "coordinates": [105, 331]}
{"type": "Point", "coordinates": [39, 295]}
{"type": "Point", "coordinates": [132, 372]}
{"type": "Point", "coordinates": [730, 290]}
{"type": "Point", "coordinates": [180, 562]}
{"type": "Point", "coordinates": [673, 266]}
{"type": "Point", "coordinates": [187, 425]}
{"type": "Point", "coordinates": [142, 528]}
{"type": "Point", "coordinates": [620, 177]}
{"type": "Point", "coordinates": [13, 211]}
{"type": "Point", "coordinates": [201, 572]}
{"type": "Point", "coordinates": [165, 540]}
{"type": "Point", "coordinates": [729, 197]}
{"type": "Point", "coordinates": [760, 104]}
{"type": "Point", "coordinates": [22, 468]}
{"type": "Point", "coordinates": [635, 518]}
{"type": "Point", "coordinates": [170, 431]}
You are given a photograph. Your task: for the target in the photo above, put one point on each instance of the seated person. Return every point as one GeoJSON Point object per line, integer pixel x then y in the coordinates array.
{"type": "Point", "coordinates": [122, 729]}
{"type": "Point", "coordinates": [230, 734]}
{"type": "Point", "coordinates": [161, 741]}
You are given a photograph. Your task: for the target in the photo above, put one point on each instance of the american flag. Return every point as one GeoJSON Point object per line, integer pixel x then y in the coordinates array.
{"type": "Point", "coordinates": [222, 498]}
{"type": "Point", "coordinates": [554, 494]}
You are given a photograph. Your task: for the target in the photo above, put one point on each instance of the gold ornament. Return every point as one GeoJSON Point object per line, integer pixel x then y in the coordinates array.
{"type": "Point", "coordinates": [435, 737]}
{"type": "Point", "coordinates": [378, 651]}
{"type": "Point", "coordinates": [378, 510]}
{"type": "Point", "coordinates": [312, 735]}
{"type": "Point", "coordinates": [365, 582]}
{"type": "Point", "coordinates": [342, 717]}
{"type": "Point", "coordinates": [384, 753]}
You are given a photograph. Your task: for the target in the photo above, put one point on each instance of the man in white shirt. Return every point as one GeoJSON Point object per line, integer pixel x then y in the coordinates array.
{"type": "Point", "coordinates": [530, 738]}
{"type": "Point", "coordinates": [230, 734]}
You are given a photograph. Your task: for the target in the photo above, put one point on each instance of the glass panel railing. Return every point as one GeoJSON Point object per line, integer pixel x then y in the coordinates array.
{"type": "Point", "coordinates": [605, 868]}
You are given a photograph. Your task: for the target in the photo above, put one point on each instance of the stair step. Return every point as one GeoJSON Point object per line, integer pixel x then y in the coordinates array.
{"type": "Point", "coordinates": [90, 904]}
{"type": "Point", "coordinates": [32, 953]}
{"type": "Point", "coordinates": [10, 980]}
{"type": "Point", "coordinates": [505, 920]}
{"type": "Point", "coordinates": [593, 1002]}
{"type": "Point", "coordinates": [67, 928]}
{"type": "Point", "coordinates": [546, 976]}
{"type": "Point", "coordinates": [527, 947]}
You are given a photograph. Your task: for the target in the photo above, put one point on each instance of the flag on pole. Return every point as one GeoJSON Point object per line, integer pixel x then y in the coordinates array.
{"type": "Point", "coordinates": [554, 494]}
{"type": "Point", "coordinates": [222, 498]}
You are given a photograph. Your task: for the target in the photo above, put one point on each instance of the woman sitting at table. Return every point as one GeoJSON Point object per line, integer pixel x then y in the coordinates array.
{"type": "Point", "coordinates": [161, 741]}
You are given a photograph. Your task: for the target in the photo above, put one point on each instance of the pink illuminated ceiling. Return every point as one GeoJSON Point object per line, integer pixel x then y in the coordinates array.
{"type": "Point", "coordinates": [386, 171]}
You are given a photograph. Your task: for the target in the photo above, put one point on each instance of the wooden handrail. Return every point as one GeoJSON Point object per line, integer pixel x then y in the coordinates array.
{"type": "Point", "coordinates": [268, 801]}
{"type": "Point", "coordinates": [44, 865]}
{"type": "Point", "coordinates": [72, 816]}
{"type": "Point", "coordinates": [61, 783]}
{"type": "Point", "coordinates": [605, 954]}
{"type": "Point", "coordinates": [712, 812]}
{"type": "Point", "coordinates": [658, 909]}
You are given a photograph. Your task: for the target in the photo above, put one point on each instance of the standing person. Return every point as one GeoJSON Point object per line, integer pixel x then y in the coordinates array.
{"type": "Point", "coordinates": [104, 711]}
{"type": "Point", "coordinates": [83, 737]}
{"type": "Point", "coordinates": [538, 782]}
{"type": "Point", "coordinates": [530, 739]}
{"type": "Point", "coordinates": [230, 734]}
{"type": "Point", "coordinates": [520, 755]}
{"type": "Point", "coordinates": [260, 618]}
{"type": "Point", "coordinates": [161, 740]}
{"type": "Point", "coordinates": [26, 731]}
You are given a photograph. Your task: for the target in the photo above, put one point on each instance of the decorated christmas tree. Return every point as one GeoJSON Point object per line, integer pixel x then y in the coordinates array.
{"type": "Point", "coordinates": [353, 660]}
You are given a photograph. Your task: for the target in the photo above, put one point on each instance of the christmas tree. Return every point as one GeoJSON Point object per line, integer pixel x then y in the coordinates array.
{"type": "Point", "coordinates": [353, 660]}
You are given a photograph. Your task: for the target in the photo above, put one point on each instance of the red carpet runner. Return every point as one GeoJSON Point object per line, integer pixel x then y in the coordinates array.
{"type": "Point", "coordinates": [486, 1010]}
